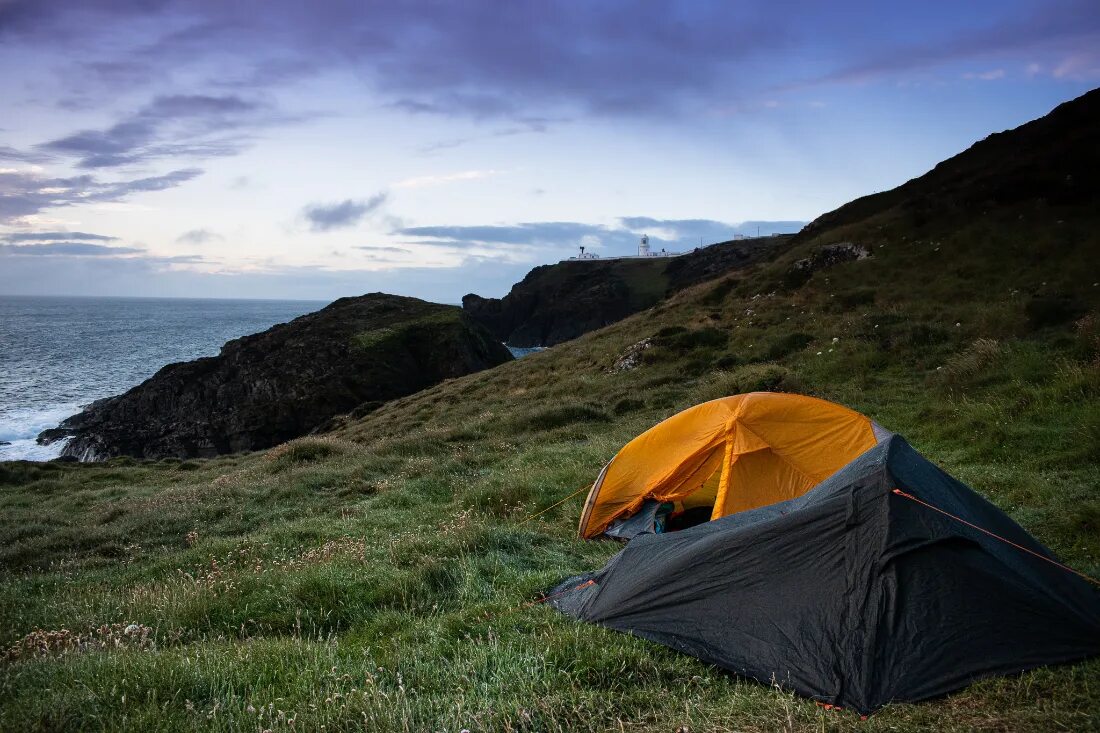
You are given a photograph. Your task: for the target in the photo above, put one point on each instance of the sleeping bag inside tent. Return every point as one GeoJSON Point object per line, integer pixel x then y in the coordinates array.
{"type": "Point", "coordinates": [890, 581]}
{"type": "Point", "coordinates": [722, 457]}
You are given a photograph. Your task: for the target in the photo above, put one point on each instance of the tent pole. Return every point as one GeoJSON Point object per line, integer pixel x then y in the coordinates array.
{"type": "Point", "coordinates": [724, 483]}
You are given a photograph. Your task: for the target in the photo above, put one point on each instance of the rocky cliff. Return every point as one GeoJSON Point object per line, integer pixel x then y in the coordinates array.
{"type": "Point", "coordinates": [270, 387]}
{"type": "Point", "coordinates": [556, 303]}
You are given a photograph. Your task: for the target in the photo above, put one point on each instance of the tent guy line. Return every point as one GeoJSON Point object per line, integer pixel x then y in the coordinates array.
{"type": "Point", "coordinates": [578, 492]}
{"type": "Point", "coordinates": [996, 536]}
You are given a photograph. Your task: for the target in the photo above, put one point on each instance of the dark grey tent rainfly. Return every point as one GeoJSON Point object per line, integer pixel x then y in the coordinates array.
{"type": "Point", "coordinates": [851, 594]}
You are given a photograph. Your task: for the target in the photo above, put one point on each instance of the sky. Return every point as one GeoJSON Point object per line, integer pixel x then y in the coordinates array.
{"type": "Point", "coordinates": [277, 149]}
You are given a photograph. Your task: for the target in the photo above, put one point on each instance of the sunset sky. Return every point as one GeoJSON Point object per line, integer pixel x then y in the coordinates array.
{"type": "Point", "coordinates": [314, 150]}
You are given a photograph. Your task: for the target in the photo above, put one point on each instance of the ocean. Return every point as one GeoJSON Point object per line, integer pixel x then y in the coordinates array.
{"type": "Point", "coordinates": [58, 354]}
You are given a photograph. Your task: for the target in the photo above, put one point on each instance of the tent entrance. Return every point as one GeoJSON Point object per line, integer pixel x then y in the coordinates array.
{"type": "Point", "coordinates": [689, 518]}
{"type": "Point", "coordinates": [676, 507]}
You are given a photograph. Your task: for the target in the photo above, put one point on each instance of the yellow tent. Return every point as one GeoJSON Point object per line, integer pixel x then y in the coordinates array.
{"type": "Point", "coordinates": [730, 454]}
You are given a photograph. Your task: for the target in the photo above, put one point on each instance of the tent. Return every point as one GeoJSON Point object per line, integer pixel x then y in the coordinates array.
{"type": "Point", "coordinates": [725, 456]}
{"type": "Point", "coordinates": [890, 581]}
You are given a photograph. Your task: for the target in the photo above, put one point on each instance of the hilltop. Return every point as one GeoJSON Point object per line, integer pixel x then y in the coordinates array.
{"type": "Point", "coordinates": [381, 575]}
{"type": "Point", "coordinates": [556, 303]}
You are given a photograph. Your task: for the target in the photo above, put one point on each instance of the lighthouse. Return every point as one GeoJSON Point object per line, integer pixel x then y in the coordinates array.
{"type": "Point", "coordinates": [643, 246]}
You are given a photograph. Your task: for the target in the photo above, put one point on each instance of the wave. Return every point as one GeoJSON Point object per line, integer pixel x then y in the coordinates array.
{"type": "Point", "coordinates": [20, 427]}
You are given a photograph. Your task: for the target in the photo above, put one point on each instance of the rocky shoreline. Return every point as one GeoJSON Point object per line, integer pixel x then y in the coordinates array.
{"type": "Point", "coordinates": [273, 386]}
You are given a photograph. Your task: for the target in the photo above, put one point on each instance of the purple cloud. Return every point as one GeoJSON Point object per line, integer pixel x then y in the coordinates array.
{"type": "Point", "coordinates": [182, 125]}
{"type": "Point", "coordinates": [1064, 26]}
{"type": "Point", "coordinates": [26, 193]}
{"type": "Point", "coordinates": [198, 236]}
{"type": "Point", "coordinates": [56, 236]}
{"type": "Point", "coordinates": [515, 61]}
{"type": "Point", "coordinates": [79, 249]}
{"type": "Point", "coordinates": [341, 215]}
{"type": "Point", "coordinates": [22, 156]}
{"type": "Point", "coordinates": [679, 234]}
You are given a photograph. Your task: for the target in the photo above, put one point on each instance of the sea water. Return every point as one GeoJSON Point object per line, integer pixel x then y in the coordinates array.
{"type": "Point", "coordinates": [58, 354]}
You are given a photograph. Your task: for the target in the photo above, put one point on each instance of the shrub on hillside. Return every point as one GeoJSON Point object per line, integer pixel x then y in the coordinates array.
{"type": "Point", "coordinates": [627, 404]}
{"type": "Point", "coordinates": [1053, 310]}
{"type": "Point", "coordinates": [855, 297]}
{"type": "Point", "coordinates": [718, 293]}
{"type": "Point", "coordinates": [787, 344]}
{"type": "Point", "coordinates": [302, 451]}
{"type": "Point", "coordinates": [679, 340]}
{"type": "Point", "coordinates": [1088, 336]}
{"type": "Point", "coordinates": [969, 365]}
{"type": "Point", "coordinates": [763, 377]}
{"type": "Point", "coordinates": [560, 416]}
{"type": "Point", "coordinates": [674, 342]}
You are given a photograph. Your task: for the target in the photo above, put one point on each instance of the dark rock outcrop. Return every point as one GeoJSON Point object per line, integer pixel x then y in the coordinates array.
{"type": "Point", "coordinates": [555, 303]}
{"type": "Point", "coordinates": [270, 387]}
{"type": "Point", "coordinates": [822, 258]}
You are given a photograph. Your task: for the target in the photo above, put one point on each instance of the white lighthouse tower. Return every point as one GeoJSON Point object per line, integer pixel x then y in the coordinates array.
{"type": "Point", "coordinates": [643, 246]}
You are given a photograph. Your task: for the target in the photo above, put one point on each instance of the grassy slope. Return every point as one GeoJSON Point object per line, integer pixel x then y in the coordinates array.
{"type": "Point", "coordinates": [377, 577]}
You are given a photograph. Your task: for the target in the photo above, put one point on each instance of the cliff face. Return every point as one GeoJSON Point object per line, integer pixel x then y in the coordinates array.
{"type": "Point", "coordinates": [270, 387]}
{"type": "Point", "coordinates": [556, 303]}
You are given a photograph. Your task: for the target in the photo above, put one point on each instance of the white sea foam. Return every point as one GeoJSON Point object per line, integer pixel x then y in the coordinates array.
{"type": "Point", "coordinates": [21, 427]}
{"type": "Point", "coordinates": [57, 354]}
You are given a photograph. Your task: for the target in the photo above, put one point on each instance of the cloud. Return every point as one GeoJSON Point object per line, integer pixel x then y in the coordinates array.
{"type": "Point", "coordinates": [530, 233]}
{"type": "Point", "coordinates": [180, 259]}
{"type": "Point", "coordinates": [181, 125]}
{"type": "Point", "coordinates": [22, 156]}
{"type": "Point", "coordinates": [56, 236]}
{"type": "Point", "coordinates": [198, 236]}
{"type": "Point", "coordinates": [707, 229]}
{"type": "Point", "coordinates": [517, 61]}
{"type": "Point", "coordinates": [670, 234]}
{"type": "Point", "coordinates": [476, 61]}
{"type": "Point", "coordinates": [380, 248]}
{"type": "Point", "coordinates": [24, 193]}
{"type": "Point", "coordinates": [991, 75]}
{"type": "Point", "coordinates": [341, 215]}
{"type": "Point", "coordinates": [147, 276]}
{"type": "Point", "coordinates": [80, 249]}
{"type": "Point", "coordinates": [438, 180]}
{"type": "Point", "coordinates": [1080, 66]}
{"type": "Point", "coordinates": [1056, 25]}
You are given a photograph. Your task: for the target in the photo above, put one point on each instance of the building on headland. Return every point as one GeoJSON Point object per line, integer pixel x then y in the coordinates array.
{"type": "Point", "coordinates": [644, 251]}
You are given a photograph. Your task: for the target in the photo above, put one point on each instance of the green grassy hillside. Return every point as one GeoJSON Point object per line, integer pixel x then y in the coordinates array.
{"type": "Point", "coordinates": [380, 577]}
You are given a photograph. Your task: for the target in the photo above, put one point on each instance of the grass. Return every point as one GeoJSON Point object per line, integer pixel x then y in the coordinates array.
{"type": "Point", "coordinates": [380, 577]}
